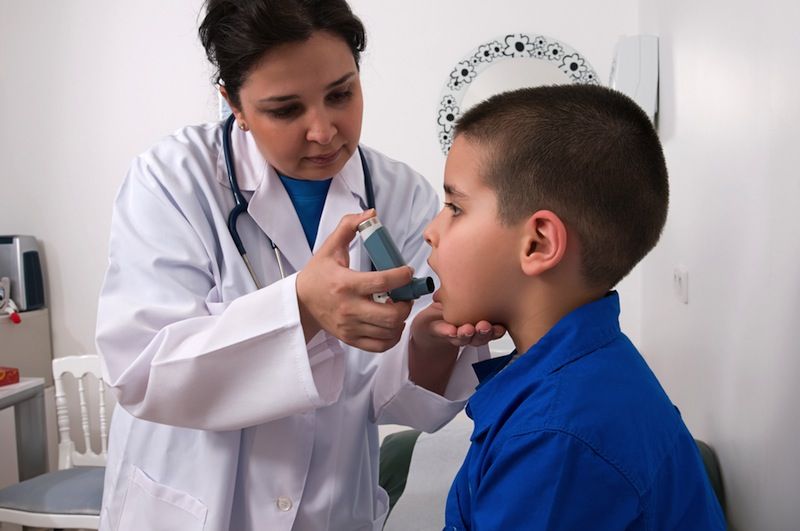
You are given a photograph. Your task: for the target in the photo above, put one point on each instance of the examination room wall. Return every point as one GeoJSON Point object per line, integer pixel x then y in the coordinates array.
{"type": "Point", "coordinates": [86, 85]}
{"type": "Point", "coordinates": [730, 359]}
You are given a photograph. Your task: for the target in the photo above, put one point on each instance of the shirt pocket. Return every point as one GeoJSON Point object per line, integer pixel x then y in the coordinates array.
{"type": "Point", "coordinates": [156, 507]}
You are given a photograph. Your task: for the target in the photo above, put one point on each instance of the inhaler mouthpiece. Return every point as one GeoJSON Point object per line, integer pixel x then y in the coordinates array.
{"type": "Point", "coordinates": [384, 254]}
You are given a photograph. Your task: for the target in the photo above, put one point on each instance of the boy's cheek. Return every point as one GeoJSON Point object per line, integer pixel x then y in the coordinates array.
{"type": "Point", "coordinates": [457, 313]}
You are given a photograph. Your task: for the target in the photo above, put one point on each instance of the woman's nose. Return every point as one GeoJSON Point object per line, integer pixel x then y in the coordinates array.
{"type": "Point", "coordinates": [321, 128]}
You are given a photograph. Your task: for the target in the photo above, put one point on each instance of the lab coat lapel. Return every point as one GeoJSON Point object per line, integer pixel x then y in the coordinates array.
{"type": "Point", "coordinates": [273, 211]}
{"type": "Point", "coordinates": [270, 205]}
{"type": "Point", "coordinates": [345, 196]}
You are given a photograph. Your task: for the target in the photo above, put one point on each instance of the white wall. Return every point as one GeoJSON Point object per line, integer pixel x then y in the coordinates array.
{"type": "Point", "coordinates": [413, 46]}
{"type": "Point", "coordinates": [86, 85]}
{"type": "Point", "coordinates": [730, 358]}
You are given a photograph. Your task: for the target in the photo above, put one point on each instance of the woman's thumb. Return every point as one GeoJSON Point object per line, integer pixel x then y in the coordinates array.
{"type": "Point", "coordinates": [339, 240]}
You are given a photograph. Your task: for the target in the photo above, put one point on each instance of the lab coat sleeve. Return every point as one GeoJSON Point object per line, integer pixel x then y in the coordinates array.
{"type": "Point", "coordinates": [172, 356]}
{"type": "Point", "coordinates": [396, 399]}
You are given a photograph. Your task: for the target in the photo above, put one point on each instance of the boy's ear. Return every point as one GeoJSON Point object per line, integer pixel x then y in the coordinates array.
{"type": "Point", "coordinates": [544, 244]}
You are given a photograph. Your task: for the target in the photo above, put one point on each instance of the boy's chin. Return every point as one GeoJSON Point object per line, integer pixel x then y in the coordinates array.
{"type": "Point", "coordinates": [458, 317]}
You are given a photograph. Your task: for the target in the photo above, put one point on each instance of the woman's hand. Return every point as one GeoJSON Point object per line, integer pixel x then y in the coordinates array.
{"type": "Point", "coordinates": [430, 330]}
{"type": "Point", "coordinates": [335, 298]}
{"type": "Point", "coordinates": [435, 343]}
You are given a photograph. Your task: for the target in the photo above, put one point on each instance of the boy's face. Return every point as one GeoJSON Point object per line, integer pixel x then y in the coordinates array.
{"type": "Point", "coordinates": [475, 256]}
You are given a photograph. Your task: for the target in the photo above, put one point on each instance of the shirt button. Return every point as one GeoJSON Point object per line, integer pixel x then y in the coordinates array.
{"type": "Point", "coordinates": [284, 503]}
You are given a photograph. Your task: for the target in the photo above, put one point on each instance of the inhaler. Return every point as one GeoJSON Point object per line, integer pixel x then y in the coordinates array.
{"type": "Point", "coordinates": [385, 255]}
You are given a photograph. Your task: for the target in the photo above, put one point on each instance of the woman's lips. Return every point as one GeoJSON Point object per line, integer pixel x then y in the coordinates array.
{"type": "Point", "coordinates": [325, 159]}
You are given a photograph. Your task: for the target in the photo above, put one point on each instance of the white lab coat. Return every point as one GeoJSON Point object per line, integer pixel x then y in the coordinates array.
{"type": "Point", "coordinates": [228, 420]}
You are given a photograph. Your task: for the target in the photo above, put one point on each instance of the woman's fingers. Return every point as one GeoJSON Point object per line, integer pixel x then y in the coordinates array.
{"type": "Point", "coordinates": [444, 329]}
{"type": "Point", "coordinates": [362, 309]}
{"type": "Point", "coordinates": [337, 299]}
{"type": "Point", "coordinates": [473, 335]}
{"type": "Point", "coordinates": [337, 244]}
{"type": "Point", "coordinates": [371, 344]}
{"type": "Point", "coordinates": [498, 331]}
{"type": "Point", "coordinates": [371, 282]}
{"type": "Point", "coordinates": [485, 332]}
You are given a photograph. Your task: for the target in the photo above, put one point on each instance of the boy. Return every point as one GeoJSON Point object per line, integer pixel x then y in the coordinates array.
{"type": "Point", "coordinates": [553, 194]}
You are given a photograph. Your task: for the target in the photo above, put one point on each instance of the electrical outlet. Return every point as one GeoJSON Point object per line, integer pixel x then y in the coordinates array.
{"type": "Point", "coordinates": [680, 284]}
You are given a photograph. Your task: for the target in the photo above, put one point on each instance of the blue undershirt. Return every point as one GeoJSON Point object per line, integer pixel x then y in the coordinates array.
{"type": "Point", "coordinates": [308, 198]}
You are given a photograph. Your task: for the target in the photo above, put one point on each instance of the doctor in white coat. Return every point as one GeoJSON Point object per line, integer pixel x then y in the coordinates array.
{"type": "Point", "coordinates": [257, 409]}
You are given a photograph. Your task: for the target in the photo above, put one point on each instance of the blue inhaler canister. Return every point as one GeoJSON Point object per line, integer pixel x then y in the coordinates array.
{"type": "Point", "coordinates": [385, 255]}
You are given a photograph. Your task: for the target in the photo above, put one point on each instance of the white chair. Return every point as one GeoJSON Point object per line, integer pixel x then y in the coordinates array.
{"type": "Point", "coordinates": [70, 497]}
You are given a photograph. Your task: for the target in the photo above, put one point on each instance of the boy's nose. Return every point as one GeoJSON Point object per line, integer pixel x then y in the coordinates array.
{"type": "Point", "coordinates": [429, 233]}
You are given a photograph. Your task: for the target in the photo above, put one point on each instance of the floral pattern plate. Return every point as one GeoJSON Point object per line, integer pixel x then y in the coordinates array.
{"type": "Point", "coordinates": [516, 45]}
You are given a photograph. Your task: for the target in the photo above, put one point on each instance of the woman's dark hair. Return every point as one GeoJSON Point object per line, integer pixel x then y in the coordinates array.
{"type": "Point", "coordinates": [237, 33]}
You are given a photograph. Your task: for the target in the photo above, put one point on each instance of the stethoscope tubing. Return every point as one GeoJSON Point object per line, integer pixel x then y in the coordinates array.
{"type": "Point", "coordinates": [240, 203]}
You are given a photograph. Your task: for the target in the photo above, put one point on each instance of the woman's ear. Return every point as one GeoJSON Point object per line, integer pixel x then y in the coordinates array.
{"type": "Point", "coordinates": [544, 243]}
{"type": "Point", "coordinates": [236, 111]}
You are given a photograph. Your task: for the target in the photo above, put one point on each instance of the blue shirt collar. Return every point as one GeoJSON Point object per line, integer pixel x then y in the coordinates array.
{"type": "Point", "coordinates": [486, 369]}
{"type": "Point", "coordinates": [577, 334]}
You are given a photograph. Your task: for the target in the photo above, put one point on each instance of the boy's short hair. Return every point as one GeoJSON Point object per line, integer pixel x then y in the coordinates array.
{"type": "Point", "coordinates": [587, 153]}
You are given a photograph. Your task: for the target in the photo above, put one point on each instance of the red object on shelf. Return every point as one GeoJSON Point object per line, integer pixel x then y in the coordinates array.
{"type": "Point", "coordinates": [9, 375]}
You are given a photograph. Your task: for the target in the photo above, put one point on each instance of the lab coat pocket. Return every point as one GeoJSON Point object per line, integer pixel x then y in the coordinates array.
{"type": "Point", "coordinates": [156, 507]}
{"type": "Point", "coordinates": [381, 510]}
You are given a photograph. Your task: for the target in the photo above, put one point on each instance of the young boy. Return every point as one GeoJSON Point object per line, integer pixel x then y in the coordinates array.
{"type": "Point", "coordinates": [553, 194]}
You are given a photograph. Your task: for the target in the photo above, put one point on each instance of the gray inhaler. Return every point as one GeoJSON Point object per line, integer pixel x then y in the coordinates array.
{"type": "Point", "coordinates": [385, 255]}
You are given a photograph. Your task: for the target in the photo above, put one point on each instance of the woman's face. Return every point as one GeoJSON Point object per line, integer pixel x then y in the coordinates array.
{"type": "Point", "coordinates": [303, 105]}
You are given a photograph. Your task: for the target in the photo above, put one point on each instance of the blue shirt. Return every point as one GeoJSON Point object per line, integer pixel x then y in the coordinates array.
{"type": "Point", "coordinates": [577, 434]}
{"type": "Point", "coordinates": [308, 198]}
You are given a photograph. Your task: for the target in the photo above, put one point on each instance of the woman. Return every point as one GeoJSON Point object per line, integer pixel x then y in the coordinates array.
{"type": "Point", "coordinates": [256, 408]}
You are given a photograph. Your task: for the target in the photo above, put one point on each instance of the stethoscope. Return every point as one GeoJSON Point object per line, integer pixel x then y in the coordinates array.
{"type": "Point", "coordinates": [241, 203]}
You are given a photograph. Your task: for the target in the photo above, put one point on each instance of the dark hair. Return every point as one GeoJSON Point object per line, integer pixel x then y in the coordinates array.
{"type": "Point", "coordinates": [237, 33]}
{"type": "Point", "coordinates": [589, 154]}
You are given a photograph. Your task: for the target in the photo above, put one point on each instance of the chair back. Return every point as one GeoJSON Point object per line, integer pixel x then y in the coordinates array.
{"type": "Point", "coordinates": [80, 367]}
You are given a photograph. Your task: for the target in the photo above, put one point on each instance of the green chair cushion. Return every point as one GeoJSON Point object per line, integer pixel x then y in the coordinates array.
{"type": "Point", "coordinates": [396, 451]}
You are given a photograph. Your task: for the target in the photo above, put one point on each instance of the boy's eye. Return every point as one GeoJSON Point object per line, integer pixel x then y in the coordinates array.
{"type": "Point", "coordinates": [454, 208]}
{"type": "Point", "coordinates": [284, 112]}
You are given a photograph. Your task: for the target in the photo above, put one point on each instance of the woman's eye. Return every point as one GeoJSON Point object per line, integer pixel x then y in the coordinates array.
{"type": "Point", "coordinates": [454, 209]}
{"type": "Point", "coordinates": [284, 112]}
{"type": "Point", "coordinates": [340, 97]}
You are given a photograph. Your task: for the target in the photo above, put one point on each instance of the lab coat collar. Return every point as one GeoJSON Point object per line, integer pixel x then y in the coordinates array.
{"type": "Point", "coordinates": [273, 211]}
{"type": "Point", "coordinates": [252, 168]}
